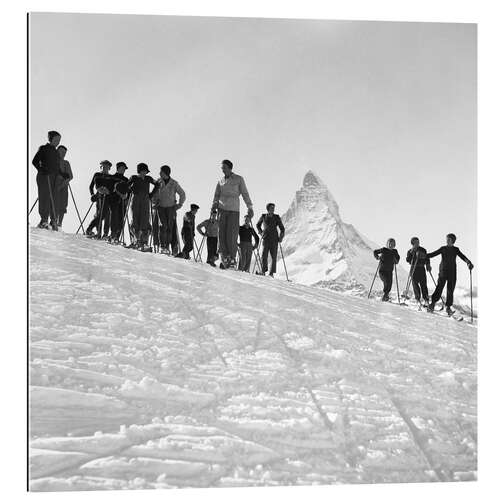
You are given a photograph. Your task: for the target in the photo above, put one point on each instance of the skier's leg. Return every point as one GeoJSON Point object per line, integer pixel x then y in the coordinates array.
{"type": "Point", "coordinates": [439, 289]}
{"type": "Point", "coordinates": [162, 215]}
{"type": "Point", "coordinates": [416, 279]}
{"type": "Point", "coordinates": [423, 287]}
{"type": "Point", "coordinates": [222, 235]}
{"type": "Point", "coordinates": [248, 257]}
{"type": "Point", "coordinates": [264, 256]}
{"type": "Point", "coordinates": [274, 255]}
{"type": "Point", "coordinates": [450, 288]}
{"type": "Point", "coordinates": [43, 197]}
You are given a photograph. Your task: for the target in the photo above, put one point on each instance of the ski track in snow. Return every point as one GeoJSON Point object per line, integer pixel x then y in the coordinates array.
{"type": "Point", "coordinates": [153, 372]}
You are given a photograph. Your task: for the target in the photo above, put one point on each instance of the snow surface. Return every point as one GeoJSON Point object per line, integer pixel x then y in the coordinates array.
{"type": "Point", "coordinates": [153, 372]}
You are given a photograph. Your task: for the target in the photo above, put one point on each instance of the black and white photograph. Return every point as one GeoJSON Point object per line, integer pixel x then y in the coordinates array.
{"type": "Point", "coordinates": [252, 252]}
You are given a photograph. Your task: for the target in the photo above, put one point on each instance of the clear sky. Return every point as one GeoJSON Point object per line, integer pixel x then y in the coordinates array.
{"type": "Point", "coordinates": [384, 112]}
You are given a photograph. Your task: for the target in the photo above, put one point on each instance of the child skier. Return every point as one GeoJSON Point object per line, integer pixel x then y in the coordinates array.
{"type": "Point", "coordinates": [246, 233]}
{"type": "Point", "coordinates": [187, 231]}
{"type": "Point", "coordinates": [118, 201]}
{"type": "Point", "coordinates": [141, 209]}
{"type": "Point", "coordinates": [419, 262]}
{"type": "Point", "coordinates": [270, 237]}
{"type": "Point", "coordinates": [388, 257]}
{"type": "Point", "coordinates": [447, 271]}
{"type": "Point", "coordinates": [64, 177]}
{"type": "Point", "coordinates": [209, 229]}
{"type": "Point", "coordinates": [104, 184]}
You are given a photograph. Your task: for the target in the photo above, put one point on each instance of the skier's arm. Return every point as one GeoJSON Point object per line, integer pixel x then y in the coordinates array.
{"type": "Point", "coordinates": [376, 253]}
{"type": "Point", "coordinates": [255, 237]}
{"type": "Point", "coordinates": [282, 228]}
{"type": "Point", "coordinates": [434, 254]}
{"type": "Point", "coordinates": [246, 196]}
{"type": "Point", "coordinates": [202, 225]}
{"type": "Point", "coordinates": [215, 203]}
{"type": "Point", "coordinates": [396, 256]}
{"type": "Point", "coordinates": [92, 185]}
{"type": "Point", "coordinates": [259, 224]}
{"type": "Point", "coordinates": [38, 160]}
{"type": "Point", "coordinates": [70, 173]}
{"type": "Point", "coordinates": [409, 257]}
{"type": "Point", "coordinates": [182, 196]}
{"type": "Point", "coordinates": [464, 258]}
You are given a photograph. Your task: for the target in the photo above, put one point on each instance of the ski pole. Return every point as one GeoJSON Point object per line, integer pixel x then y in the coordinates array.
{"type": "Point", "coordinates": [31, 209]}
{"type": "Point", "coordinates": [283, 259]}
{"type": "Point", "coordinates": [471, 308]}
{"type": "Point", "coordinates": [99, 229]}
{"type": "Point", "coordinates": [374, 276]}
{"type": "Point", "coordinates": [410, 277]}
{"type": "Point", "coordinates": [54, 219]}
{"type": "Point", "coordinates": [397, 283]}
{"type": "Point", "coordinates": [83, 221]}
{"type": "Point", "coordinates": [201, 246]}
{"type": "Point", "coordinates": [122, 234]}
{"type": "Point", "coordinates": [74, 203]}
{"type": "Point", "coordinates": [435, 285]}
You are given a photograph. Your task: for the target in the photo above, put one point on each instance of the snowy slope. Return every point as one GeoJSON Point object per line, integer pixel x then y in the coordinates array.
{"type": "Point", "coordinates": [152, 372]}
{"type": "Point", "coordinates": [320, 249]}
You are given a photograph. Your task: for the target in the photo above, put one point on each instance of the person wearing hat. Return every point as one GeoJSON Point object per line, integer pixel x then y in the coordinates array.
{"type": "Point", "coordinates": [166, 203]}
{"type": "Point", "coordinates": [187, 231]}
{"type": "Point", "coordinates": [118, 201]}
{"type": "Point", "coordinates": [388, 257]}
{"type": "Point", "coordinates": [227, 202]}
{"type": "Point", "coordinates": [209, 229]}
{"type": "Point", "coordinates": [63, 178]}
{"type": "Point", "coordinates": [247, 232]}
{"type": "Point", "coordinates": [46, 161]}
{"type": "Point", "coordinates": [139, 185]}
{"type": "Point", "coordinates": [270, 237]}
{"type": "Point", "coordinates": [419, 262]}
{"type": "Point", "coordinates": [101, 186]}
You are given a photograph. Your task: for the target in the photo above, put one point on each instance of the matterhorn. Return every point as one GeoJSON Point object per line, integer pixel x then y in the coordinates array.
{"type": "Point", "coordinates": [322, 250]}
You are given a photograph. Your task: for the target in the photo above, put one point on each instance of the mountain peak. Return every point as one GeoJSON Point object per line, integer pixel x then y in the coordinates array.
{"type": "Point", "coordinates": [312, 179]}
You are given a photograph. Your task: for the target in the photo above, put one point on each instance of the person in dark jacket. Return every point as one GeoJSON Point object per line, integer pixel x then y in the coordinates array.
{"type": "Point", "coordinates": [118, 201]}
{"type": "Point", "coordinates": [388, 257]}
{"type": "Point", "coordinates": [141, 206]}
{"type": "Point", "coordinates": [209, 229]}
{"type": "Point", "coordinates": [187, 231]}
{"type": "Point", "coordinates": [101, 187]}
{"type": "Point", "coordinates": [247, 232]}
{"type": "Point", "coordinates": [419, 263]}
{"type": "Point", "coordinates": [270, 237]}
{"type": "Point", "coordinates": [46, 161]}
{"type": "Point", "coordinates": [63, 178]}
{"type": "Point", "coordinates": [447, 271]}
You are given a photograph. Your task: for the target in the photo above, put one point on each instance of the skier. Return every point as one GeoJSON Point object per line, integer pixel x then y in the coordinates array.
{"type": "Point", "coordinates": [46, 161]}
{"type": "Point", "coordinates": [227, 202]}
{"type": "Point", "coordinates": [447, 271]}
{"type": "Point", "coordinates": [104, 184]}
{"type": "Point", "coordinates": [270, 237]}
{"type": "Point", "coordinates": [388, 257]}
{"type": "Point", "coordinates": [246, 248]}
{"type": "Point", "coordinates": [118, 201]}
{"type": "Point", "coordinates": [209, 229]}
{"type": "Point", "coordinates": [419, 262]}
{"type": "Point", "coordinates": [139, 185]}
{"type": "Point", "coordinates": [63, 178]}
{"type": "Point", "coordinates": [164, 200]}
{"type": "Point", "coordinates": [187, 231]}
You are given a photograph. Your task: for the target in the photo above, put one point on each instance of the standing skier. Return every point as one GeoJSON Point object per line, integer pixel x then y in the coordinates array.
{"type": "Point", "coordinates": [419, 262]}
{"type": "Point", "coordinates": [164, 198]}
{"type": "Point", "coordinates": [447, 271]}
{"type": "Point", "coordinates": [63, 178]}
{"type": "Point", "coordinates": [209, 229]}
{"type": "Point", "coordinates": [118, 201]}
{"type": "Point", "coordinates": [247, 232]}
{"type": "Point", "coordinates": [139, 185]}
{"type": "Point", "coordinates": [187, 231]}
{"type": "Point", "coordinates": [270, 237]}
{"type": "Point", "coordinates": [388, 257]}
{"type": "Point", "coordinates": [104, 184]}
{"type": "Point", "coordinates": [46, 161]}
{"type": "Point", "coordinates": [227, 202]}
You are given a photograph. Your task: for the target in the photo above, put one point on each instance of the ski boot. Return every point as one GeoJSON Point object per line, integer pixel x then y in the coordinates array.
{"type": "Point", "coordinates": [431, 306]}
{"type": "Point", "coordinates": [146, 248]}
{"type": "Point", "coordinates": [449, 311]}
{"type": "Point", "coordinates": [43, 225]}
{"type": "Point", "coordinates": [385, 298]}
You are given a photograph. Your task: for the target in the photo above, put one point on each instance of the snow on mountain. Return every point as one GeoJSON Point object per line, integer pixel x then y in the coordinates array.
{"type": "Point", "coordinates": [153, 372]}
{"type": "Point", "coordinates": [322, 250]}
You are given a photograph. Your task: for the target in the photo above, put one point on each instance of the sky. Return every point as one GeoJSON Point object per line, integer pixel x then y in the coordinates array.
{"type": "Point", "coordinates": [385, 113]}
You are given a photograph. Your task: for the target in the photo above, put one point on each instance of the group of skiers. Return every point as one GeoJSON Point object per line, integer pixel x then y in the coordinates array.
{"type": "Point", "coordinates": [154, 205]}
{"type": "Point", "coordinates": [420, 264]}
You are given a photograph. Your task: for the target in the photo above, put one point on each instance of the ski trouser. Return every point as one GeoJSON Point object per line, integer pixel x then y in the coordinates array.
{"type": "Point", "coordinates": [269, 246]}
{"type": "Point", "coordinates": [386, 277]}
{"type": "Point", "coordinates": [118, 207]}
{"type": "Point", "coordinates": [167, 216]}
{"type": "Point", "coordinates": [450, 280]}
{"type": "Point", "coordinates": [246, 249]}
{"type": "Point", "coordinates": [46, 186]}
{"type": "Point", "coordinates": [211, 248]}
{"type": "Point", "coordinates": [419, 282]}
{"type": "Point", "coordinates": [229, 227]}
{"type": "Point", "coordinates": [102, 214]}
{"type": "Point", "coordinates": [61, 198]}
{"type": "Point", "coordinates": [140, 218]}
{"type": "Point", "coordinates": [187, 238]}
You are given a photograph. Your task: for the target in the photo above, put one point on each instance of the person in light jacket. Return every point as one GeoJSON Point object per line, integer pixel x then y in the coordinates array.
{"type": "Point", "coordinates": [227, 202]}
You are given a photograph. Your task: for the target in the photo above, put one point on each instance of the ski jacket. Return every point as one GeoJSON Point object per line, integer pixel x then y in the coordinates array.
{"type": "Point", "coordinates": [246, 234]}
{"type": "Point", "coordinates": [120, 187]}
{"type": "Point", "coordinates": [65, 170]}
{"type": "Point", "coordinates": [101, 180]}
{"type": "Point", "coordinates": [211, 228]}
{"type": "Point", "coordinates": [228, 191]}
{"type": "Point", "coordinates": [47, 160]}
{"type": "Point", "coordinates": [165, 194]}
{"type": "Point", "coordinates": [448, 259]}
{"type": "Point", "coordinates": [188, 222]}
{"type": "Point", "coordinates": [388, 258]}
{"type": "Point", "coordinates": [140, 186]}
{"type": "Point", "coordinates": [421, 260]}
{"type": "Point", "coordinates": [271, 224]}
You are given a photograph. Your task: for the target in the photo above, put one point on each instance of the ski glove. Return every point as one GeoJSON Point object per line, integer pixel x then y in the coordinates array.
{"type": "Point", "coordinates": [94, 198]}
{"type": "Point", "coordinates": [250, 212]}
{"type": "Point", "coordinates": [470, 265]}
